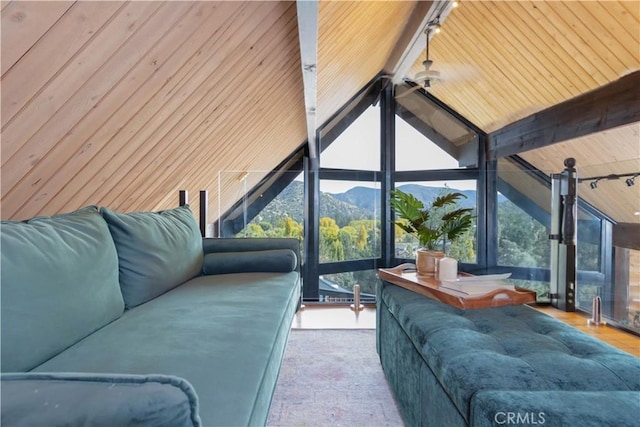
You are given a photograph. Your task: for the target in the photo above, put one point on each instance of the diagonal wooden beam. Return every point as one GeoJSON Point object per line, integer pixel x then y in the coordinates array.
{"type": "Point", "coordinates": [308, 37]}
{"type": "Point", "coordinates": [612, 105]}
{"type": "Point", "coordinates": [411, 43]}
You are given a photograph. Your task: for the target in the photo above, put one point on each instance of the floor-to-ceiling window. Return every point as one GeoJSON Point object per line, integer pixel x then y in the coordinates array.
{"type": "Point", "coordinates": [429, 149]}
{"type": "Point", "coordinates": [432, 150]}
{"type": "Point", "coordinates": [523, 219]}
{"type": "Point", "coordinates": [523, 247]}
{"type": "Point", "coordinates": [436, 152]}
{"type": "Point", "coordinates": [350, 210]}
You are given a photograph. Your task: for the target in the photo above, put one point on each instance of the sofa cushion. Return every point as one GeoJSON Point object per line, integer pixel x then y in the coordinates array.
{"type": "Point", "coordinates": [157, 251]}
{"type": "Point", "coordinates": [59, 284]}
{"type": "Point", "coordinates": [66, 399]}
{"type": "Point", "coordinates": [275, 261]}
{"type": "Point", "coordinates": [225, 334]}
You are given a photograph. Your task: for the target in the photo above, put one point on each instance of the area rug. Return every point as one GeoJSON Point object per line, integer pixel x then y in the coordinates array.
{"type": "Point", "coordinates": [332, 378]}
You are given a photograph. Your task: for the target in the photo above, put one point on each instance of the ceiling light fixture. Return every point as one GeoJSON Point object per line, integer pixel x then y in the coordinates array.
{"type": "Point", "coordinates": [425, 76]}
{"type": "Point", "coordinates": [630, 181]}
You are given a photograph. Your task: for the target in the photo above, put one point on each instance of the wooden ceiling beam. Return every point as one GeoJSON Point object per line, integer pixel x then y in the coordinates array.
{"type": "Point", "coordinates": [308, 35]}
{"type": "Point", "coordinates": [615, 104]}
{"type": "Point", "coordinates": [627, 235]}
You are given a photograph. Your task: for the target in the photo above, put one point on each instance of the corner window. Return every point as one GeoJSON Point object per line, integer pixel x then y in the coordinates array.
{"type": "Point", "coordinates": [349, 220]}
{"type": "Point", "coordinates": [358, 147]}
{"type": "Point", "coordinates": [464, 249]}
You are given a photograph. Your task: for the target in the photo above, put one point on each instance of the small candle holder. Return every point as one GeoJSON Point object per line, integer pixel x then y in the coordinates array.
{"type": "Point", "coordinates": [447, 269]}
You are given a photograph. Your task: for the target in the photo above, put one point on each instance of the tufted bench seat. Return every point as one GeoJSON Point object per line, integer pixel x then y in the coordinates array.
{"type": "Point", "coordinates": [498, 366]}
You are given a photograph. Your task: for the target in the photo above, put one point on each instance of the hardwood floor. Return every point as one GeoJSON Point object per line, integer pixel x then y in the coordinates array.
{"type": "Point", "coordinates": [625, 341]}
{"type": "Point", "coordinates": [320, 316]}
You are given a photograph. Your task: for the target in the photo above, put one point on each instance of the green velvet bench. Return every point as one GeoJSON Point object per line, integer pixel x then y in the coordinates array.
{"type": "Point", "coordinates": [135, 319]}
{"type": "Point", "coordinates": [499, 366]}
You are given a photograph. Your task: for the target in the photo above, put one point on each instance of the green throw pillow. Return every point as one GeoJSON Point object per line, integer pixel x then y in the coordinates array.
{"type": "Point", "coordinates": [157, 251]}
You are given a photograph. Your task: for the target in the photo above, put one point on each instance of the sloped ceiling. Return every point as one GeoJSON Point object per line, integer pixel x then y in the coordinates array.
{"type": "Point", "coordinates": [355, 39]}
{"type": "Point", "coordinates": [123, 104]}
{"type": "Point", "coordinates": [613, 151]}
{"type": "Point", "coordinates": [501, 61]}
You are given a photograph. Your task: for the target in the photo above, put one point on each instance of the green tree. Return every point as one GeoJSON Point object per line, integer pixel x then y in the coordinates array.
{"type": "Point", "coordinates": [293, 229]}
{"type": "Point", "coordinates": [331, 248]}
{"type": "Point", "coordinates": [336, 251]}
{"type": "Point", "coordinates": [463, 249]}
{"type": "Point", "coordinates": [362, 238]}
{"type": "Point", "coordinates": [347, 237]}
{"type": "Point", "coordinates": [266, 226]}
{"type": "Point", "coordinates": [253, 230]}
{"type": "Point", "coordinates": [522, 241]}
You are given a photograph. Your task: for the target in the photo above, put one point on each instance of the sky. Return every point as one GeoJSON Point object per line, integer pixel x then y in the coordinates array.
{"type": "Point", "coordinates": [357, 148]}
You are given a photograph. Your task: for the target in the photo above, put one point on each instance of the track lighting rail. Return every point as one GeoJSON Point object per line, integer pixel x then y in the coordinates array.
{"type": "Point", "coordinates": [630, 181]}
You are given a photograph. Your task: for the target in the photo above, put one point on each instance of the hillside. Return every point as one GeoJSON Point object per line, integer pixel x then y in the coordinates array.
{"type": "Point", "coordinates": [369, 198]}
{"type": "Point", "coordinates": [291, 203]}
{"type": "Point", "coordinates": [356, 203]}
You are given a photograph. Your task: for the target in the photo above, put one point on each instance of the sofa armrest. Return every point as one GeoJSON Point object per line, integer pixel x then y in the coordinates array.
{"type": "Point", "coordinates": [555, 408]}
{"type": "Point", "coordinates": [220, 245]}
{"type": "Point", "coordinates": [70, 399]}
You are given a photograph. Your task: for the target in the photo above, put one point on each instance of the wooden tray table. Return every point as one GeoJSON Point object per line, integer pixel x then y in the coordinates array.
{"type": "Point", "coordinates": [405, 276]}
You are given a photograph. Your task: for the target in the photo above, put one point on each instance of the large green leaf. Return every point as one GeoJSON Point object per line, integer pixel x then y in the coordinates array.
{"type": "Point", "coordinates": [414, 218]}
{"type": "Point", "coordinates": [447, 199]}
{"type": "Point", "coordinates": [407, 206]}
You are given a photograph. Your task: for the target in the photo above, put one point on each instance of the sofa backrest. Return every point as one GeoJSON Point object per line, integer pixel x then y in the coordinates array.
{"type": "Point", "coordinates": [59, 278]}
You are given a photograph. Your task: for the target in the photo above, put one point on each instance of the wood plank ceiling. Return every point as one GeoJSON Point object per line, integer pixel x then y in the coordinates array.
{"type": "Point", "coordinates": [122, 104]}
{"type": "Point", "coordinates": [615, 151]}
{"type": "Point", "coordinates": [501, 61]}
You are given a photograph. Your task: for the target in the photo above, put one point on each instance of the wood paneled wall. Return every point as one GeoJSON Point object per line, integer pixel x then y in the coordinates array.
{"type": "Point", "coordinates": [124, 103]}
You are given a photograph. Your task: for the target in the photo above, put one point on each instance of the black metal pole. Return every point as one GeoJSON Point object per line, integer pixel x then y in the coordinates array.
{"type": "Point", "coordinates": [387, 166]}
{"type": "Point", "coordinates": [310, 281]}
{"type": "Point", "coordinates": [183, 198]}
{"type": "Point", "coordinates": [204, 205]}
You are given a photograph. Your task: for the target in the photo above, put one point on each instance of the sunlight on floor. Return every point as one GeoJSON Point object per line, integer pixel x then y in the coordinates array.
{"type": "Point", "coordinates": [321, 316]}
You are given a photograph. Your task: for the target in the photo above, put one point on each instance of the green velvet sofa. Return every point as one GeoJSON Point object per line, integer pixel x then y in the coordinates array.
{"type": "Point", "coordinates": [134, 319]}
{"type": "Point", "coordinates": [499, 366]}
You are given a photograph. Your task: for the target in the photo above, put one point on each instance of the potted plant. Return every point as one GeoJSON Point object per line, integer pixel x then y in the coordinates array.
{"type": "Point", "coordinates": [433, 225]}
